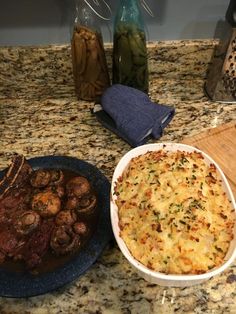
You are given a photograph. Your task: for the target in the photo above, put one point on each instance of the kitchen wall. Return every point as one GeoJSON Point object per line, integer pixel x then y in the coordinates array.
{"type": "Point", "coordinates": [31, 22]}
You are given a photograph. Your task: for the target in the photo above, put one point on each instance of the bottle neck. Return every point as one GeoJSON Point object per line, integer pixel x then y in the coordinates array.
{"type": "Point", "coordinates": [131, 5]}
{"type": "Point", "coordinates": [85, 16]}
{"type": "Point", "coordinates": [130, 2]}
{"type": "Point", "coordinates": [130, 11]}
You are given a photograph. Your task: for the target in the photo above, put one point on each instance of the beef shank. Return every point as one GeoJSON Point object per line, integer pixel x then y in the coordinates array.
{"type": "Point", "coordinates": [40, 212]}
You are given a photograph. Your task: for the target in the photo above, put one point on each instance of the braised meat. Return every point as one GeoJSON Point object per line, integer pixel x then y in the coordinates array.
{"type": "Point", "coordinates": [17, 174]}
{"type": "Point", "coordinates": [8, 242]}
{"type": "Point", "coordinates": [14, 200]}
{"type": "Point", "coordinates": [37, 245]}
{"type": "Point", "coordinates": [40, 212]}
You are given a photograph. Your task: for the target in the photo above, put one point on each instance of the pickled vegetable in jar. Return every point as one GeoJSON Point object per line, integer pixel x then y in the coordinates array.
{"type": "Point", "coordinates": [130, 66]}
{"type": "Point", "coordinates": [88, 55]}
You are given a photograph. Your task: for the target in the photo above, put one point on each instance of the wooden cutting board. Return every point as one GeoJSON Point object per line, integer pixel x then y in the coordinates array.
{"type": "Point", "coordinates": [220, 144]}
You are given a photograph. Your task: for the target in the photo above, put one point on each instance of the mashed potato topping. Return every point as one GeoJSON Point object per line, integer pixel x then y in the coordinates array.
{"type": "Point", "coordinates": [174, 215]}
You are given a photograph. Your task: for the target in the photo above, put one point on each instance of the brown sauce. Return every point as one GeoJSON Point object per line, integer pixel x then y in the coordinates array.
{"type": "Point", "coordinates": [50, 261]}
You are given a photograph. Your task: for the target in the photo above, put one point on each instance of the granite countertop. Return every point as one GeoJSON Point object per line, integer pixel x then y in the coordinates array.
{"type": "Point", "coordinates": [40, 115]}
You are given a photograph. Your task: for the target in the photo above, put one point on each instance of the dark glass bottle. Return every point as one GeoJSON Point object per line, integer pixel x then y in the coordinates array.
{"type": "Point", "coordinates": [88, 55]}
{"type": "Point", "coordinates": [130, 66]}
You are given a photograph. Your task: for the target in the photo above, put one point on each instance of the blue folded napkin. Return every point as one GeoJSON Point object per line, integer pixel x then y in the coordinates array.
{"type": "Point", "coordinates": [130, 114]}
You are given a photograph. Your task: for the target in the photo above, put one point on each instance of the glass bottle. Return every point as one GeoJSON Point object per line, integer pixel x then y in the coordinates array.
{"type": "Point", "coordinates": [90, 69]}
{"type": "Point", "coordinates": [130, 65]}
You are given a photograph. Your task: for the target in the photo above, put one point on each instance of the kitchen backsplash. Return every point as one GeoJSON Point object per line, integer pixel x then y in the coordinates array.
{"type": "Point", "coordinates": [49, 21]}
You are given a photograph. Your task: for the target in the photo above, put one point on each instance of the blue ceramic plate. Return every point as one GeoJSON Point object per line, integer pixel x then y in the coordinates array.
{"type": "Point", "coordinates": [18, 285]}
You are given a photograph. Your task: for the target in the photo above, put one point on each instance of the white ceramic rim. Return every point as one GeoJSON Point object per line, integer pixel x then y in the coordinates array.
{"type": "Point", "coordinates": [122, 164]}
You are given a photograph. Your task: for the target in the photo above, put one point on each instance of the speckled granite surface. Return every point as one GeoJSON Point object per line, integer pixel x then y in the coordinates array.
{"type": "Point", "coordinates": [40, 115]}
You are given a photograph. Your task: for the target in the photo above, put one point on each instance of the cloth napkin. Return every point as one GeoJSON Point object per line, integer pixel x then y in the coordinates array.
{"type": "Point", "coordinates": [130, 114]}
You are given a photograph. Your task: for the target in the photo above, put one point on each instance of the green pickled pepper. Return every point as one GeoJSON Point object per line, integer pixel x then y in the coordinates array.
{"type": "Point", "coordinates": [130, 66]}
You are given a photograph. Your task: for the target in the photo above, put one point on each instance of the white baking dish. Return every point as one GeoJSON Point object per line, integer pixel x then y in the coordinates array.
{"type": "Point", "coordinates": [147, 274]}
